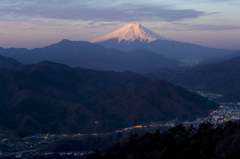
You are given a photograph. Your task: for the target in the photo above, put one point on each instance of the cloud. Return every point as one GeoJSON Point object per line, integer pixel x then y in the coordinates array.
{"type": "Point", "coordinates": [234, 4]}
{"type": "Point", "coordinates": [91, 23]}
{"type": "Point", "coordinates": [108, 24]}
{"type": "Point", "coordinates": [95, 11]}
{"type": "Point", "coordinates": [210, 1]}
{"type": "Point", "coordinates": [100, 24]}
{"type": "Point", "coordinates": [214, 27]}
{"type": "Point", "coordinates": [188, 27]}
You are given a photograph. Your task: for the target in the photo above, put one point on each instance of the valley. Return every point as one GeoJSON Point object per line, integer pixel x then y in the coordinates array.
{"type": "Point", "coordinates": [29, 145]}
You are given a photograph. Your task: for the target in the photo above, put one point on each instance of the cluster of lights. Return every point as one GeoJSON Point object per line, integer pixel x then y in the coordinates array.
{"type": "Point", "coordinates": [213, 112]}
{"type": "Point", "coordinates": [133, 127]}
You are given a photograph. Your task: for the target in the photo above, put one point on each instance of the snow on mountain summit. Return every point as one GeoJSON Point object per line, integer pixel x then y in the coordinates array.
{"type": "Point", "coordinates": [131, 32]}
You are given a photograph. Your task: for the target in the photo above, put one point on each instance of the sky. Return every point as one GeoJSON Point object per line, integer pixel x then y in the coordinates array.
{"type": "Point", "coordinates": [38, 23]}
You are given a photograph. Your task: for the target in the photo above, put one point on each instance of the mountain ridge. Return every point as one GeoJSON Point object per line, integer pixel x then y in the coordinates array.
{"type": "Point", "coordinates": [54, 98]}
{"type": "Point", "coordinates": [8, 61]}
{"type": "Point", "coordinates": [222, 78]}
{"type": "Point", "coordinates": [87, 55]}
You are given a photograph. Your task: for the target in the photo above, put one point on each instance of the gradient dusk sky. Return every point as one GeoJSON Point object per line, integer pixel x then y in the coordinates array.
{"type": "Point", "coordinates": [37, 23]}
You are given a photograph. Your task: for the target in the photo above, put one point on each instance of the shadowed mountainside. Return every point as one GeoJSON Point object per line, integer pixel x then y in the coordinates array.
{"type": "Point", "coordinates": [158, 100]}
{"type": "Point", "coordinates": [50, 97]}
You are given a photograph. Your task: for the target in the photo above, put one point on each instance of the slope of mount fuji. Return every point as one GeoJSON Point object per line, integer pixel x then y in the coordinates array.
{"type": "Point", "coordinates": [143, 60]}
{"type": "Point", "coordinates": [135, 36]}
{"type": "Point", "coordinates": [131, 32]}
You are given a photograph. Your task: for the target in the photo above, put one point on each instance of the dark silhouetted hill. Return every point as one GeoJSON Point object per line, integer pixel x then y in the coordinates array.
{"type": "Point", "coordinates": [204, 142]}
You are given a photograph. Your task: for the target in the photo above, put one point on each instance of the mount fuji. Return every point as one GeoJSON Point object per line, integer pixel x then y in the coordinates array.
{"type": "Point", "coordinates": [135, 36]}
{"type": "Point", "coordinates": [130, 33]}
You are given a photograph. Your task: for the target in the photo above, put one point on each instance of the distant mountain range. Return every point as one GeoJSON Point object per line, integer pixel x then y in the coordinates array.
{"type": "Point", "coordinates": [215, 60]}
{"type": "Point", "coordinates": [88, 55]}
{"type": "Point", "coordinates": [54, 98]}
{"type": "Point", "coordinates": [223, 78]}
{"type": "Point", "coordinates": [135, 36]}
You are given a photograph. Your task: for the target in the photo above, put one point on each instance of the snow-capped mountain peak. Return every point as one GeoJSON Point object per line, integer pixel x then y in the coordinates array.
{"type": "Point", "coordinates": [131, 32]}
